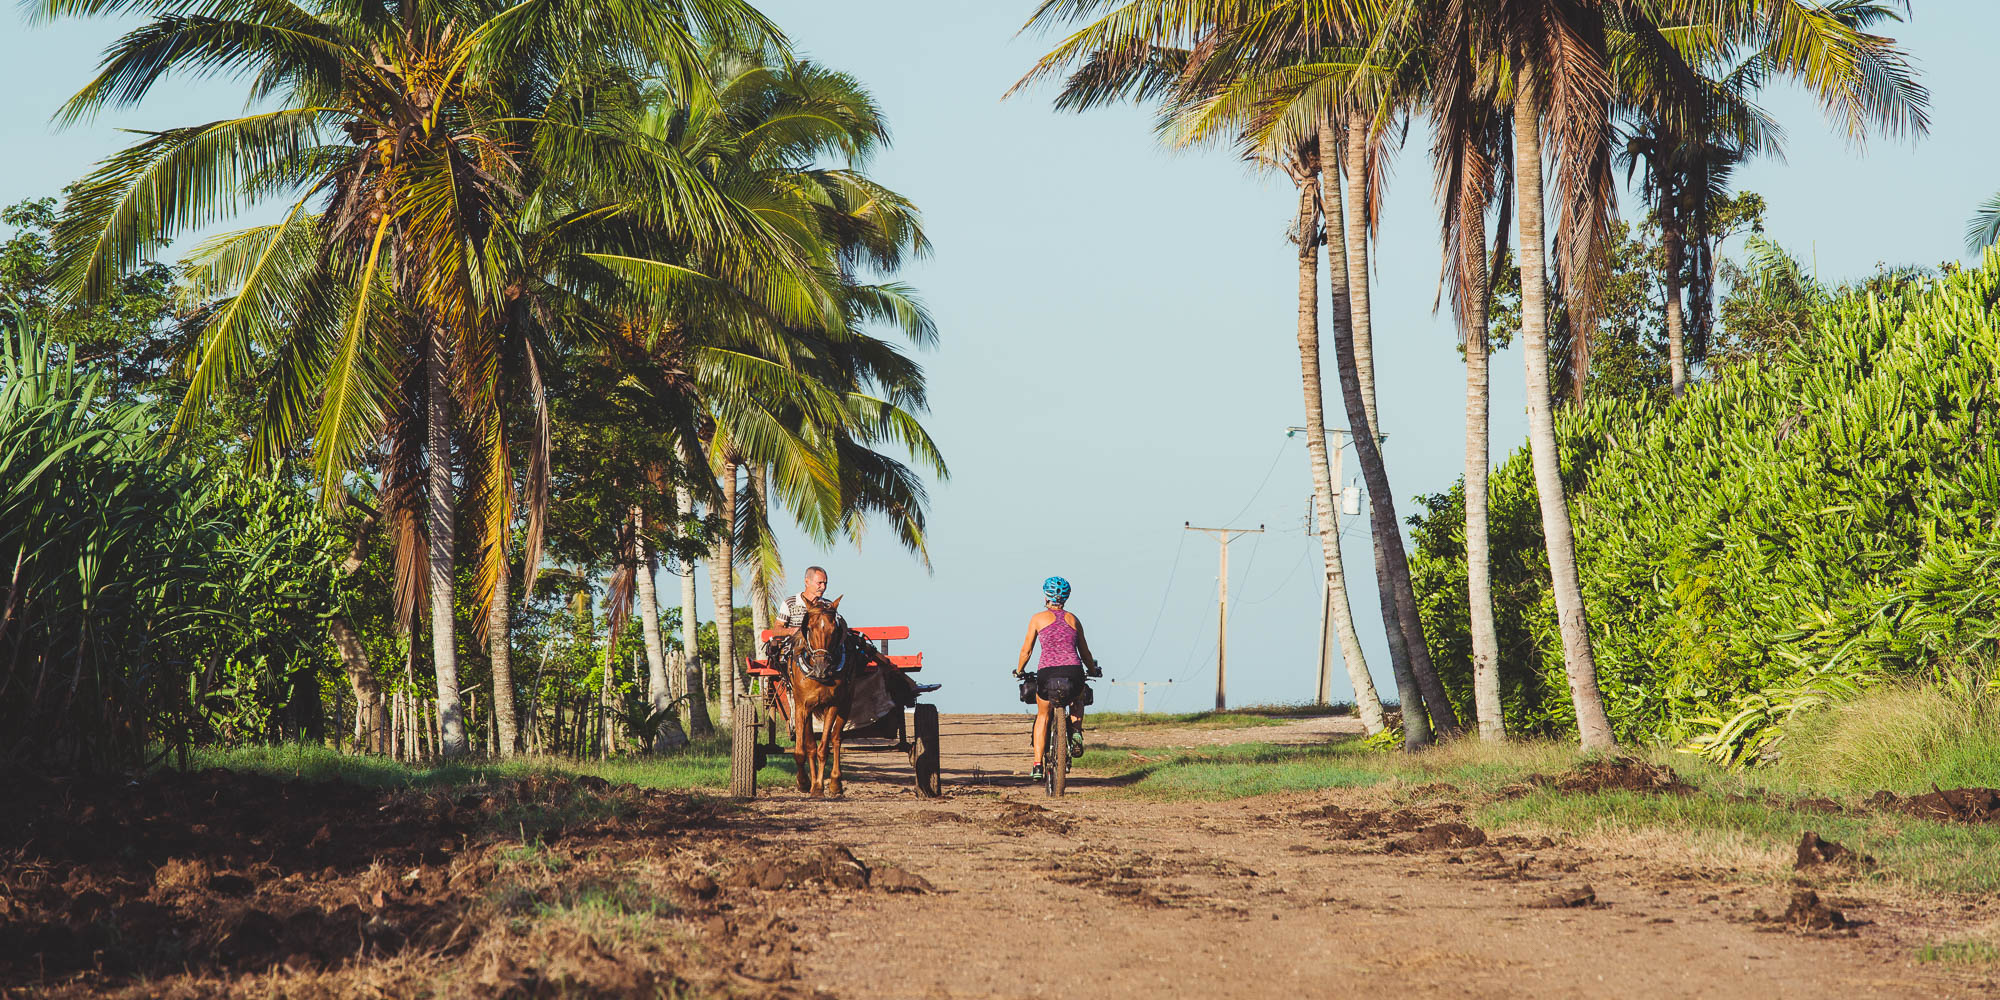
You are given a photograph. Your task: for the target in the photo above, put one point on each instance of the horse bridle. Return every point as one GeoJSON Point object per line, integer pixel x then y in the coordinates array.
{"type": "Point", "coordinates": [819, 664]}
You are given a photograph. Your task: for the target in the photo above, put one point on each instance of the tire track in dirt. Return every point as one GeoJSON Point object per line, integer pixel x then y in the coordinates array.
{"type": "Point", "coordinates": [1288, 895]}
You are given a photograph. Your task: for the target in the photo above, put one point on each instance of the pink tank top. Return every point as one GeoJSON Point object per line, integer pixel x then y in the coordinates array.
{"type": "Point", "coordinates": [1058, 643]}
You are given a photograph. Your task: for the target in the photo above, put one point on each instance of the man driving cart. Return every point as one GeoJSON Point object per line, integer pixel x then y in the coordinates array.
{"type": "Point", "coordinates": [879, 686]}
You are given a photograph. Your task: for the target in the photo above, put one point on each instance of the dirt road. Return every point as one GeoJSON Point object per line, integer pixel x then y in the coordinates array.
{"type": "Point", "coordinates": [1292, 895]}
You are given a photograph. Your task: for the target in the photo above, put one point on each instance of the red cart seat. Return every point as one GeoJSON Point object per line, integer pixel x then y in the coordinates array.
{"type": "Point", "coordinates": [875, 633]}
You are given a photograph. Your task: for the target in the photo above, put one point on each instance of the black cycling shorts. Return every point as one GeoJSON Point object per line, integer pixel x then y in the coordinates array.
{"type": "Point", "coordinates": [1061, 685]}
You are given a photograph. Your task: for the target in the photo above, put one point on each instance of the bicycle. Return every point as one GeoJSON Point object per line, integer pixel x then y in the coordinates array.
{"type": "Point", "coordinates": [1056, 744]}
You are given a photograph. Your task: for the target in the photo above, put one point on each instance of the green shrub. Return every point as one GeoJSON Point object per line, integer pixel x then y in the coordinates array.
{"type": "Point", "coordinates": [1787, 533]}
{"type": "Point", "coordinates": [148, 599]}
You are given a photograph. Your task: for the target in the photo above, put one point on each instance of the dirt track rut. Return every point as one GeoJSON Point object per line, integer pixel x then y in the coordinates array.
{"type": "Point", "coordinates": [1287, 895]}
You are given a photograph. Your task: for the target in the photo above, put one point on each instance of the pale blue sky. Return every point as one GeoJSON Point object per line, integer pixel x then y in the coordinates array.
{"type": "Point", "coordinates": [1118, 323]}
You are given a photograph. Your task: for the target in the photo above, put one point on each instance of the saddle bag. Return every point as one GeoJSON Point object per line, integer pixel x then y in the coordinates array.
{"type": "Point", "coordinates": [1029, 685]}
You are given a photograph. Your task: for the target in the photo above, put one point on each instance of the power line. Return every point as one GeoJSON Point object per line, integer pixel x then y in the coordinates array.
{"type": "Point", "coordinates": [1294, 571]}
{"type": "Point", "coordinates": [1255, 544]}
{"type": "Point", "coordinates": [1157, 615]}
{"type": "Point", "coordinates": [1275, 459]}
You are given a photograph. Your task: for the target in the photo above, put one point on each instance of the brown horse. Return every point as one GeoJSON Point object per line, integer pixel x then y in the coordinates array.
{"type": "Point", "coordinates": [819, 675]}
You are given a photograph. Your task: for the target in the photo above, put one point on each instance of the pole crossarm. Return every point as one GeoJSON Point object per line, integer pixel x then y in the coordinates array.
{"type": "Point", "coordinates": [1225, 536]}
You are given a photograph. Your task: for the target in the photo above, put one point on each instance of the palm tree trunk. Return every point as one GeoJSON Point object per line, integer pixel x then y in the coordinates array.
{"type": "Point", "coordinates": [1392, 563]}
{"type": "Point", "coordinates": [605, 715]}
{"type": "Point", "coordinates": [500, 649]}
{"type": "Point", "coordinates": [444, 635]}
{"type": "Point", "coordinates": [669, 734]}
{"type": "Point", "coordinates": [1593, 725]}
{"type": "Point", "coordinates": [1366, 703]}
{"type": "Point", "coordinates": [697, 695]}
{"type": "Point", "coordinates": [760, 585]}
{"type": "Point", "coordinates": [1478, 543]}
{"type": "Point", "coordinates": [722, 581]}
{"type": "Point", "coordinates": [1356, 223]}
{"type": "Point", "coordinates": [1416, 724]}
{"type": "Point", "coordinates": [1670, 235]}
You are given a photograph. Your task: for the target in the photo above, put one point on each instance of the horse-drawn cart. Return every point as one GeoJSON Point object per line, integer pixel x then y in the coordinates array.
{"type": "Point", "coordinates": [912, 730]}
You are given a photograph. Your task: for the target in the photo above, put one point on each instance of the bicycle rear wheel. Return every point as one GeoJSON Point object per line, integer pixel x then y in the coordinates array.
{"type": "Point", "coordinates": [1056, 752]}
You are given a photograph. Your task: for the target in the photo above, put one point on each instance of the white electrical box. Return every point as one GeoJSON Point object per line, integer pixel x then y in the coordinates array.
{"type": "Point", "coordinates": [1350, 501]}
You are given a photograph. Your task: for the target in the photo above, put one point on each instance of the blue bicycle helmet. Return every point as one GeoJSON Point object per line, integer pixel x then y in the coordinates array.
{"type": "Point", "coordinates": [1056, 589]}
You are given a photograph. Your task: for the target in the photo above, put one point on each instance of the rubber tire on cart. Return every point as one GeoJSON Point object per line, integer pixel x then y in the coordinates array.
{"type": "Point", "coordinates": [924, 753]}
{"type": "Point", "coordinates": [1055, 751]}
{"type": "Point", "coordinates": [743, 751]}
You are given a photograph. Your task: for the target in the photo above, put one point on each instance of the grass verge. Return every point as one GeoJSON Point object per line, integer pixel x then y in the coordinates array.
{"type": "Point", "coordinates": [1731, 820]}
{"type": "Point", "coordinates": [701, 766]}
{"type": "Point", "coordinates": [1235, 718]}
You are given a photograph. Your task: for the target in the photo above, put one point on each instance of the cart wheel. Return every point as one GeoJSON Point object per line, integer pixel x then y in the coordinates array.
{"type": "Point", "coordinates": [924, 753]}
{"type": "Point", "coordinates": [743, 749]}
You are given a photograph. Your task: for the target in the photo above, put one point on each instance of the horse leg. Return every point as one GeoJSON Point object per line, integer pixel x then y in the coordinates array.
{"type": "Point", "coordinates": [835, 727]}
{"type": "Point", "coordinates": [820, 751]}
{"type": "Point", "coordinates": [802, 745]}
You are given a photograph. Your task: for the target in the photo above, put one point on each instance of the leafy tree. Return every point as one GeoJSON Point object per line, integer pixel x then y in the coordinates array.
{"type": "Point", "coordinates": [130, 335]}
{"type": "Point", "coordinates": [405, 138]}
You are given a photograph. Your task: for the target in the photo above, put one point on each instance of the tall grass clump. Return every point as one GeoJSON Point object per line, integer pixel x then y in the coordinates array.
{"type": "Point", "coordinates": [146, 600]}
{"type": "Point", "coordinates": [1906, 737]}
{"type": "Point", "coordinates": [1782, 537]}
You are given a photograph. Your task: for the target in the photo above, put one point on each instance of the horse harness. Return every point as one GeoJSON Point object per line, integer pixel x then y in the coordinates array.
{"type": "Point", "coordinates": [818, 664]}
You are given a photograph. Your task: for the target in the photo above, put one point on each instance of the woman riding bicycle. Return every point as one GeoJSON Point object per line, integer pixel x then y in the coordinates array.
{"type": "Point", "coordinates": [1060, 671]}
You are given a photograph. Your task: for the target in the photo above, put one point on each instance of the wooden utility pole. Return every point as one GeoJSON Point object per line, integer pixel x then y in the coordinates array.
{"type": "Point", "coordinates": [1141, 685]}
{"type": "Point", "coordinates": [1336, 443]}
{"type": "Point", "coordinates": [1225, 536]}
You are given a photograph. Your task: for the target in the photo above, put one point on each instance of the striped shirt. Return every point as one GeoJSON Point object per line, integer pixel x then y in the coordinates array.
{"type": "Point", "coordinates": [794, 612]}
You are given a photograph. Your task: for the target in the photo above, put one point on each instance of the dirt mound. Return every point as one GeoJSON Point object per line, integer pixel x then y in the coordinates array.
{"type": "Point", "coordinates": [1146, 879]}
{"type": "Point", "coordinates": [1573, 897]}
{"type": "Point", "coordinates": [1355, 824]}
{"type": "Point", "coordinates": [202, 879]}
{"type": "Point", "coordinates": [1607, 774]}
{"type": "Point", "coordinates": [1018, 818]}
{"type": "Point", "coordinates": [1814, 851]}
{"type": "Point", "coordinates": [1430, 828]}
{"type": "Point", "coordinates": [827, 865]}
{"type": "Point", "coordinates": [1808, 912]}
{"type": "Point", "coordinates": [1438, 837]}
{"type": "Point", "coordinates": [1955, 805]}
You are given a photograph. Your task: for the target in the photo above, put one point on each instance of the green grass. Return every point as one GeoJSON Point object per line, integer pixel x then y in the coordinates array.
{"type": "Point", "coordinates": [1734, 819]}
{"type": "Point", "coordinates": [1241, 769]}
{"type": "Point", "coordinates": [703, 765]}
{"type": "Point", "coordinates": [1960, 953]}
{"type": "Point", "coordinates": [1904, 738]}
{"type": "Point", "coordinates": [1235, 718]}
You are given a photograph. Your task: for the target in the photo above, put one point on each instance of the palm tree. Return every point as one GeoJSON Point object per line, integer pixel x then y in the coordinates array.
{"type": "Point", "coordinates": [1471, 155]}
{"type": "Point", "coordinates": [403, 141]}
{"type": "Point", "coordinates": [1263, 72]}
{"type": "Point", "coordinates": [816, 421]}
{"type": "Point", "coordinates": [1691, 120]}
{"type": "Point", "coordinates": [1182, 60]}
{"type": "Point", "coordinates": [1305, 168]}
{"type": "Point", "coordinates": [1563, 74]}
